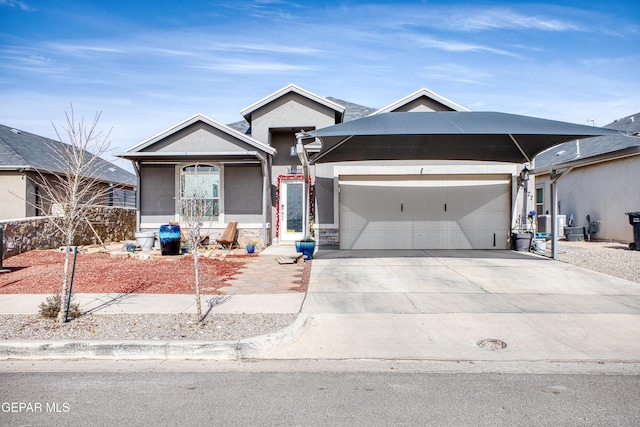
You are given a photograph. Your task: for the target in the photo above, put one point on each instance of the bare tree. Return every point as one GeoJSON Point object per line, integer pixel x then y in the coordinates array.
{"type": "Point", "coordinates": [195, 209]}
{"type": "Point", "coordinates": [75, 186]}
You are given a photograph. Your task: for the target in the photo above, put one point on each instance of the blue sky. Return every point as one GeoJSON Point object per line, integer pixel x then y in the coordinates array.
{"type": "Point", "coordinates": [148, 65]}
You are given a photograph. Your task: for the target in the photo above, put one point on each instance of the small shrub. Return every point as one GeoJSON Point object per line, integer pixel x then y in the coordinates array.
{"type": "Point", "coordinates": [50, 308]}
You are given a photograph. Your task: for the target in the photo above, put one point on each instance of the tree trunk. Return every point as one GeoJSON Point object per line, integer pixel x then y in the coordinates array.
{"type": "Point", "coordinates": [196, 268]}
{"type": "Point", "coordinates": [64, 293]}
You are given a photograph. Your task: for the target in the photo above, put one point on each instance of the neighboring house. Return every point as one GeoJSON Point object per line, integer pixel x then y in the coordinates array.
{"type": "Point", "coordinates": [23, 156]}
{"type": "Point", "coordinates": [253, 176]}
{"type": "Point", "coordinates": [600, 179]}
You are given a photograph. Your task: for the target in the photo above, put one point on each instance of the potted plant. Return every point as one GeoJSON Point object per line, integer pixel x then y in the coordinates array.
{"type": "Point", "coordinates": [307, 246]}
{"type": "Point", "coordinates": [251, 247]}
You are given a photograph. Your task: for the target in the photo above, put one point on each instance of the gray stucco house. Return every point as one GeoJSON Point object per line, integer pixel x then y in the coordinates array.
{"type": "Point", "coordinates": [24, 155]}
{"type": "Point", "coordinates": [253, 176]}
{"type": "Point", "coordinates": [596, 177]}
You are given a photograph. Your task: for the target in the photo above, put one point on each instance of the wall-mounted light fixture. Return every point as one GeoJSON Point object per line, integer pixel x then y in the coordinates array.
{"type": "Point", "coordinates": [523, 178]}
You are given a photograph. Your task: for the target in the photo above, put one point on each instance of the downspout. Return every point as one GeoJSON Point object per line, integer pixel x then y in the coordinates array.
{"type": "Point", "coordinates": [136, 167]}
{"type": "Point", "coordinates": [304, 159]}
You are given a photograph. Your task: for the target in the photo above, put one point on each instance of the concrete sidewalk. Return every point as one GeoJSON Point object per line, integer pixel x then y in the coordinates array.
{"type": "Point", "coordinates": [161, 304]}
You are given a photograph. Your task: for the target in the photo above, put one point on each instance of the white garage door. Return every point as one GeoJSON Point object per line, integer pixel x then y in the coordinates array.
{"type": "Point", "coordinates": [424, 212]}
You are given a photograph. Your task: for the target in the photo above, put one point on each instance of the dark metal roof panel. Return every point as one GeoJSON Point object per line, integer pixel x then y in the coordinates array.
{"type": "Point", "coordinates": [450, 135]}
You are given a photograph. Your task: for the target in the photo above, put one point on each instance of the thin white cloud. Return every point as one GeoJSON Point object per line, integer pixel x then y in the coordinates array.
{"type": "Point", "coordinates": [180, 44]}
{"type": "Point", "coordinates": [456, 73]}
{"type": "Point", "coordinates": [29, 60]}
{"type": "Point", "coordinates": [253, 67]}
{"type": "Point", "coordinates": [17, 4]}
{"type": "Point", "coordinates": [503, 18]}
{"type": "Point", "coordinates": [457, 46]}
{"type": "Point", "coordinates": [84, 49]}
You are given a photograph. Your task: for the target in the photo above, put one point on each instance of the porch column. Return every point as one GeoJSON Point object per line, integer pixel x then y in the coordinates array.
{"type": "Point", "coordinates": [136, 167]}
{"type": "Point", "coordinates": [265, 200]}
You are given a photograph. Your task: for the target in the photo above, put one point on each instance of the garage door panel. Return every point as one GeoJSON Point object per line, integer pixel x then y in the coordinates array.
{"type": "Point", "coordinates": [424, 212]}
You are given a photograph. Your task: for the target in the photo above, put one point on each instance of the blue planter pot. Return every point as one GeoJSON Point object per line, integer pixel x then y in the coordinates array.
{"type": "Point", "coordinates": [307, 248]}
{"type": "Point", "coordinates": [169, 237]}
{"type": "Point", "coordinates": [251, 249]}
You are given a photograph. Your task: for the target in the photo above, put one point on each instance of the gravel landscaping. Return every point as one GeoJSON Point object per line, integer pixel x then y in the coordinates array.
{"type": "Point", "coordinates": [168, 327]}
{"type": "Point", "coordinates": [614, 259]}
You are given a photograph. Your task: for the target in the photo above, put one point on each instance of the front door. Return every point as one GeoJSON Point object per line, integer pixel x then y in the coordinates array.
{"type": "Point", "coordinates": [291, 202]}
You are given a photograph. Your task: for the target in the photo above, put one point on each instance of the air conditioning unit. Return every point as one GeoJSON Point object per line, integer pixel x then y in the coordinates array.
{"type": "Point", "coordinates": [544, 224]}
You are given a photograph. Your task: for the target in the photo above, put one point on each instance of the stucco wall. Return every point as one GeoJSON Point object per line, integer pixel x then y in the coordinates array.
{"type": "Point", "coordinates": [199, 137]}
{"type": "Point", "coordinates": [604, 191]}
{"type": "Point", "coordinates": [157, 193]}
{"type": "Point", "coordinates": [110, 224]}
{"type": "Point", "coordinates": [12, 194]}
{"type": "Point", "coordinates": [290, 111]}
{"type": "Point", "coordinates": [423, 104]}
{"type": "Point", "coordinates": [243, 193]}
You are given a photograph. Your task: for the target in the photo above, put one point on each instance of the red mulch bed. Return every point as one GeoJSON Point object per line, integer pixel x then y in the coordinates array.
{"type": "Point", "coordinates": [40, 272]}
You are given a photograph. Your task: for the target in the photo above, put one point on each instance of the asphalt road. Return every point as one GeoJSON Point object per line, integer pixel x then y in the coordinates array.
{"type": "Point", "coordinates": [322, 395]}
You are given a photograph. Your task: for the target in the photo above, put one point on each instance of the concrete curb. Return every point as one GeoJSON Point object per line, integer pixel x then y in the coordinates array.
{"type": "Point", "coordinates": [130, 349]}
{"type": "Point", "coordinates": [255, 347]}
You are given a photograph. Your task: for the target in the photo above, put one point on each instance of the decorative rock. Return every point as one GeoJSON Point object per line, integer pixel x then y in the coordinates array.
{"type": "Point", "coordinates": [120, 254]}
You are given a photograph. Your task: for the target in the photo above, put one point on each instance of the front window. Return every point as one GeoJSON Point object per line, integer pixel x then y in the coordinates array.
{"type": "Point", "coordinates": [202, 182]}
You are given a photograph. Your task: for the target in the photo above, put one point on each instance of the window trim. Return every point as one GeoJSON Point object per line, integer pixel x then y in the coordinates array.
{"type": "Point", "coordinates": [178, 186]}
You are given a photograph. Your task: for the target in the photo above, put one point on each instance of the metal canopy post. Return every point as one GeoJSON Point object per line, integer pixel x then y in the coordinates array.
{"type": "Point", "coordinates": [554, 220]}
{"type": "Point", "coordinates": [554, 178]}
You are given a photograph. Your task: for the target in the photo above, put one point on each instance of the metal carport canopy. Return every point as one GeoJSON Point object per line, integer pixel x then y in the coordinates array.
{"type": "Point", "coordinates": [450, 135]}
{"type": "Point", "coordinates": [443, 135]}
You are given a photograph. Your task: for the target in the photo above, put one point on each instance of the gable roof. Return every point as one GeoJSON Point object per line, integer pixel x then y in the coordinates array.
{"type": "Point", "coordinates": [291, 88]}
{"type": "Point", "coordinates": [204, 119]}
{"type": "Point", "coordinates": [24, 150]}
{"type": "Point", "coordinates": [595, 149]}
{"type": "Point", "coordinates": [424, 92]}
{"type": "Point", "coordinates": [352, 111]}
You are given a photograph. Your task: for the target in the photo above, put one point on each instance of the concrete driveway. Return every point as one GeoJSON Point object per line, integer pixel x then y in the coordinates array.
{"type": "Point", "coordinates": [464, 305]}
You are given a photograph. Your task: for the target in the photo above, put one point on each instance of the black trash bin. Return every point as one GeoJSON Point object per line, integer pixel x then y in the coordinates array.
{"type": "Point", "coordinates": [634, 220]}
